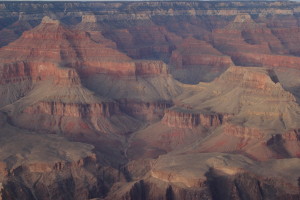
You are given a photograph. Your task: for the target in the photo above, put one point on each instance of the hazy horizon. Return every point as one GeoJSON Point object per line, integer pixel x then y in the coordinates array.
{"type": "Point", "coordinates": [131, 0]}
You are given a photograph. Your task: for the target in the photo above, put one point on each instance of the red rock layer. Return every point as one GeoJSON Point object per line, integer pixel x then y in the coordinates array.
{"type": "Point", "coordinates": [258, 44]}
{"type": "Point", "coordinates": [36, 71]}
{"type": "Point", "coordinates": [3, 169]}
{"type": "Point", "coordinates": [78, 110]}
{"type": "Point", "coordinates": [253, 81]}
{"type": "Point", "coordinates": [254, 142]}
{"type": "Point", "coordinates": [44, 167]}
{"type": "Point", "coordinates": [150, 67]}
{"type": "Point", "coordinates": [51, 44]}
{"type": "Point", "coordinates": [228, 41]}
{"type": "Point", "coordinates": [195, 52]}
{"type": "Point", "coordinates": [256, 133]}
{"type": "Point", "coordinates": [186, 119]}
{"type": "Point", "coordinates": [275, 61]}
{"type": "Point", "coordinates": [145, 41]}
{"type": "Point", "coordinates": [72, 118]}
{"type": "Point", "coordinates": [293, 135]}
{"type": "Point", "coordinates": [242, 132]}
{"type": "Point", "coordinates": [146, 111]}
{"type": "Point", "coordinates": [289, 37]}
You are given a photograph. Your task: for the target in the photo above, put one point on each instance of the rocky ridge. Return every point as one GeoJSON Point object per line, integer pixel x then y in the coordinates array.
{"type": "Point", "coordinates": [100, 73]}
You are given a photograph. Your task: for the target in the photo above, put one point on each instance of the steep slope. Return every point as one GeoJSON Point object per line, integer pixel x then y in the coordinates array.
{"type": "Point", "coordinates": [147, 135]}
{"type": "Point", "coordinates": [38, 166]}
{"type": "Point", "coordinates": [252, 111]}
{"type": "Point", "coordinates": [69, 110]}
{"type": "Point", "coordinates": [223, 176]}
{"type": "Point", "coordinates": [245, 110]}
{"type": "Point", "coordinates": [251, 43]}
{"type": "Point", "coordinates": [196, 60]}
{"type": "Point", "coordinates": [250, 92]}
{"type": "Point", "coordinates": [144, 40]}
{"type": "Point", "coordinates": [57, 99]}
{"type": "Point", "coordinates": [70, 49]}
{"type": "Point", "coordinates": [146, 91]}
{"type": "Point", "coordinates": [76, 49]}
{"type": "Point", "coordinates": [210, 176]}
{"type": "Point", "coordinates": [144, 98]}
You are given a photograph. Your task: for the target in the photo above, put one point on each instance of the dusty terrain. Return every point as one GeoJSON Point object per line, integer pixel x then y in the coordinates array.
{"type": "Point", "coordinates": [150, 100]}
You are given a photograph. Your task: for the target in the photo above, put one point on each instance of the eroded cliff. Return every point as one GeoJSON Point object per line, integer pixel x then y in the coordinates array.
{"type": "Point", "coordinates": [91, 87]}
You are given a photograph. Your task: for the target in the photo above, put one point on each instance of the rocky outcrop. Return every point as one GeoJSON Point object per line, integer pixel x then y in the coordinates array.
{"type": "Point", "coordinates": [145, 41]}
{"type": "Point", "coordinates": [37, 71]}
{"type": "Point", "coordinates": [243, 132]}
{"type": "Point", "coordinates": [44, 167]}
{"type": "Point", "coordinates": [78, 110]}
{"type": "Point", "coordinates": [60, 181]}
{"type": "Point", "coordinates": [221, 178]}
{"type": "Point", "coordinates": [193, 52]}
{"type": "Point", "coordinates": [73, 114]}
{"type": "Point", "coordinates": [250, 125]}
{"type": "Point", "coordinates": [288, 35]}
{"type": "Point", "coordinates": [257, 80]}
{"type": "Point", "coordinates": [3, 169]}
{"type": "Point", "coordinates": [72, 52]}
{"type": "Point", "coordinates": [127, 113]}
{"type": "Point", "coordinates": [207, 60]}
{"type": "Point", "coordinates": [178, 178]}
{"type": "Point", "coordinates": [188, 119]}
{"type": "Point", "coordinates": [49, 166]}
{"type": "Point", "coordinates": [151, 68]}
{"type": "Point", "coordinates": [150, 111]}
{"type": "Point", "coordinates": [293, 135]}
{"type": "Point", "coordinates": [71, 49]}
{"type": "Point", "coordinates": [89, 18]}
{"type": "Point", "coordinates": [196, 60]}
{"type": "Point", "coordinates": [274, 61]}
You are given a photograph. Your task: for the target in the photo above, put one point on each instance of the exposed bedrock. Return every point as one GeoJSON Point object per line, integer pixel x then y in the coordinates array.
{"type": "Point", "coordinates": [267, 60]}
{"type": "Point", "coordinates": [187, 119]}
{"type": "Point", "coordinates": [82, 179]}
{"type": "Point", "coordinates": [213, 176]}
{"type": "Point", "coordinates": [227, 178]}
{"type": "Point", "coordinates": [37, 71]}
{"type": "Point", "coordinates": [63, 57]}
{"type": "Point", "coordinates": [150, 67]}
{"type": "Point", "coordinates": [102, 73]}
{"type": "Point", "coordinates": [78, 110]}
{"type": "Point", "coordinates": [39, 166]}
{"type": "Point", "coordinates": [149, 111]}
{"type": "Point", "coordinates": [193, 52]}
{"type": "Point", "coordinates": [75, 118]}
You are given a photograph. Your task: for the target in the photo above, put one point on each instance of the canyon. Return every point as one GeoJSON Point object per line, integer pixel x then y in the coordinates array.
{"type": "Point", "coordinates": [149, 100]}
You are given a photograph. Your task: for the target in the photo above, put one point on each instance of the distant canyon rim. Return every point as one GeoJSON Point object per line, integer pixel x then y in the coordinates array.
{"type": "Point", "coordinates": [164, 100]}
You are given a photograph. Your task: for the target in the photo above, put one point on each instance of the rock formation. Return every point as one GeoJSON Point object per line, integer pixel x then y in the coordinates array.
{"type": "Point", "coordinates": [149, 100]}
{"type": "Point", "coordinates": [196, 55]}
{"type": "Point", "coordinates": [185, 118]}
{"type": "Point", "coordinates": [212, 171]}
{"type": "Point", "coordinates": [257, 109]}
{"type": "Point", "coordinates": [45, 166]}
{"type": "Point", "coordinates": [60, 61]}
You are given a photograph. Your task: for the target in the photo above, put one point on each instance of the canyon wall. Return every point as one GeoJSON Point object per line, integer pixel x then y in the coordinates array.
{"type": "Point", "coordinates": [188, 119]}
{"type": "Point", "coordinates": [90, 107]}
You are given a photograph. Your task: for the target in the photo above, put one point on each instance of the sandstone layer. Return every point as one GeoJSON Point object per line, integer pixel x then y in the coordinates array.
{"type": "Point", "coordinates": [44, 166]}
{"type": "Point", "coordinates": [96, 100]}
{"type": "Point", "coordinates": [257, 111]}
